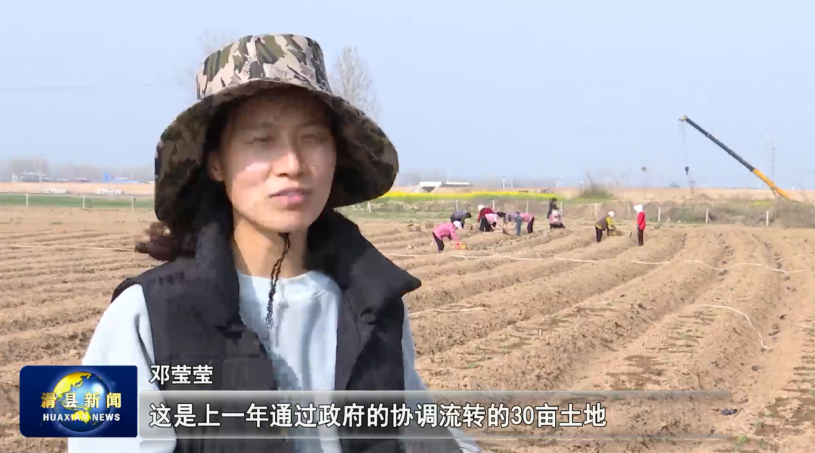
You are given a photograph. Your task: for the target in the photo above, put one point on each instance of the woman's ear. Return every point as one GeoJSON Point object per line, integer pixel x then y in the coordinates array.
{"type": "Point", "coordinates": [214, 167]}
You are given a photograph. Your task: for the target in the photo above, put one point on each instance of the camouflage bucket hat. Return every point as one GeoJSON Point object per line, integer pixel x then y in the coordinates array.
{"type": "Point", "coordinates": [367, 162]}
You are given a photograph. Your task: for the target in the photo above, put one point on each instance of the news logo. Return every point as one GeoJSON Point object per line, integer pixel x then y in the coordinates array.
{"type": "Point", "coordinates": [75, 401]}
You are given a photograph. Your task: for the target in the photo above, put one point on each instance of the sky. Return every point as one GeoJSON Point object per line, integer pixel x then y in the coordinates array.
{"type": "Point", "coordinates": [519, 88]}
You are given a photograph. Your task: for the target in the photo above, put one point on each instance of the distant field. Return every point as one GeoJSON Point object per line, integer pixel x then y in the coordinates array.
{"type": "Point", "coordinates": [473, 195]}
{"type": "Point", "coordinates": [715, 307]}
{"type": "Point", "coordinates": [76, 201]}
{"type": "Point", "coordinates": [637, 195]}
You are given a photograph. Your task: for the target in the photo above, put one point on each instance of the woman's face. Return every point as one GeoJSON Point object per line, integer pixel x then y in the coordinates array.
{"type": "Point", "coordinates": [276, 159]}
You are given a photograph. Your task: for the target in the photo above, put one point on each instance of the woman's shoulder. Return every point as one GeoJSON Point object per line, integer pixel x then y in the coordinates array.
{"type": "Point", "coordinates": [321, 282]}
{"type": "Point", "coordinates": [128, 302]}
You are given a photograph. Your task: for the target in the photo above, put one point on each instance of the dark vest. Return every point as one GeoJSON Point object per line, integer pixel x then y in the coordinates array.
{"type": "Point", "coordinates": [193, 308]}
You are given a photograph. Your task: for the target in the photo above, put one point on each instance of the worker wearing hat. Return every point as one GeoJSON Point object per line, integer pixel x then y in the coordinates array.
{"type": "Point", "coordinates": [264, 281]}
{"type": "Point", "coordinates": [604, 224]}
{"type": "Point", "coordinates": [483, 223]}
{"type": "Point", "coordinates": [640, 224]}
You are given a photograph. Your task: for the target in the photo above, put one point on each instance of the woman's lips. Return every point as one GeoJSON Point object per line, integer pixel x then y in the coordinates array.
{"type": "Point", "coordinates": [291, 197]}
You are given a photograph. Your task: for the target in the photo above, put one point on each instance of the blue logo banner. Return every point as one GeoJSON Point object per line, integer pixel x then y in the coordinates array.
{"type": "Point", "coordinates": [78, 401]}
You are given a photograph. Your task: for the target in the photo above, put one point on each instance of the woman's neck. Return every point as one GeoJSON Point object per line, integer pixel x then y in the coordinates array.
{"type": "Point", "coordinates": [256, 251]}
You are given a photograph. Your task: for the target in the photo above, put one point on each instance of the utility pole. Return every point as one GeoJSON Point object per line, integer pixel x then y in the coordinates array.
{"type": "Point", "coordinates": [503, 182]}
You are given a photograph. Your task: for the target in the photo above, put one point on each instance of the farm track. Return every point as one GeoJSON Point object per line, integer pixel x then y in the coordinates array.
{"type": "Point", "coordinates": [575, 315]}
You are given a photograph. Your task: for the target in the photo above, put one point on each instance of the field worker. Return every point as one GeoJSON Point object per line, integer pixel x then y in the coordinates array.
{"type": "Point", "coordinates": [552, 207]}
{"type": "Point", "coordinates": [556, 220]}
{"type": "Point", "coordinates": [460, 216]}
{"type": "Point", "coordinates": [483, 223]}
{"type": "Point", "coordinates": [445, 230]}
{"type": "Point", "coordinates": [530, 221]}
{"type": "Point", "coordinates": [514, 217]}
{"type": "Point", "coordinates": [604, 224]}
{"type": "Point", "coordinates": [483, 210]}
{"type": "Point", "coordinates": [492, 219]}
{"type": "Point", "coordinates": [264, 281]}
{"type": "Point", "coordinates": [640, 224]}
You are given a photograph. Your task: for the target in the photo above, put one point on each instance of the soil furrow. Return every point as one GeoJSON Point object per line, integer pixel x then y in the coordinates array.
{"type": "Point", "coordinates": [474, 240]}
{"type": "Point", "coordinates": [38, 234]}
{"type": "Point", "coordinates": [101, 288]}
{"type": "Point", "coordinates": [115, 272]}
{"type": "Point", "coordinates": [10, 381]}
{"type": "Point", "coordinates": [90, 266]}
{"type": "Point", "coordinates": [66, 239]}
{"type": "Point", "coordinates": [687, 349]}
{"type": "Point", "coordinates": [779, 413]}
{"type": "Point", "coordinates": [61, 253]}
{"type": "Point", "coordinates": [445, 291]}
{"type": "Point", "coordinates": [490, 312]}
{"type": "Point", "coordinates": [544, 349]}
{"type": "Point", "coordinates": [39, 344]}
{"type": "Point", "coordinates": [14, 441]}
{"type": "Point", "coordinates": [428, 258]}
{"type": "Point", "coordinates": [50, 264]}
{"type": "Point", "coordinates": [461, 267]}
{"type": "Point", "coordinates": [52, 315]}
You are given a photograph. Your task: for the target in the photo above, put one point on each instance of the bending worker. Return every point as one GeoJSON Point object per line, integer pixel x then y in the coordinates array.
{"type": "Point", "coordinates": [604, 224]}
{"type": "Point", "coordinates": [459, 216]}
{"type": "Point", "coordinates": [552, 207]}
{"type": "Point", "coordinates": [512, 217]}
{"type": "Point", "coordinates": [555, 220]}
{"type": "Point", "coordinates": [483, 223]}
{"type": "Point", "coordinates": [445, 230]}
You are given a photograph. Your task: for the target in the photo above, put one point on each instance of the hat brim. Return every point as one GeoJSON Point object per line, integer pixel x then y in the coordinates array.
{"type": "Point", "coordinates": [367, 162]}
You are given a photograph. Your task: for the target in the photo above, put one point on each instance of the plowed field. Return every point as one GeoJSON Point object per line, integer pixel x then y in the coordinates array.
{"type": "Point", "coordinates": [717, 308]}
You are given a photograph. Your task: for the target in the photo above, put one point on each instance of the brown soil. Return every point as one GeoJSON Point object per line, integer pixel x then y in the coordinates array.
{"type": "Point", "coordinates": [581, 316]}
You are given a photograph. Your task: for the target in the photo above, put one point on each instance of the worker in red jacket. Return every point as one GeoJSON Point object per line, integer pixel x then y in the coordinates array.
{"type": "Point", "coordinates": [481, 220]}
{"type": "Point", "coordinates": [640, 223]}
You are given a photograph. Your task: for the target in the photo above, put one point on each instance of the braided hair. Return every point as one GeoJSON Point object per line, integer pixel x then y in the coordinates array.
{"type": "Point", "coordinates": [276, 276]}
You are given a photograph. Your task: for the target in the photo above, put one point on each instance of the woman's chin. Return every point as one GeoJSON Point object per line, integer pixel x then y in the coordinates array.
{"type": "Point", "coordinates": [288, 221]}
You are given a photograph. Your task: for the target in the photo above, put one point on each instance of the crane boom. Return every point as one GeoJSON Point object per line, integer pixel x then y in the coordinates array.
{"type": "Point", "coordinates": [777, 190]}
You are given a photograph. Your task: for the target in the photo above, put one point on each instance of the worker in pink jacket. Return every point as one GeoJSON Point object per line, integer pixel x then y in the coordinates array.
{"type": "Point", "coordinates": [445, 230]}
{"type": "Point", "coordinates": [492, 219]}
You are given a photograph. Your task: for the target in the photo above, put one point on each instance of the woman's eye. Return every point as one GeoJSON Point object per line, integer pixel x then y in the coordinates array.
{"type": "Point", "coordinates": [261, 139]}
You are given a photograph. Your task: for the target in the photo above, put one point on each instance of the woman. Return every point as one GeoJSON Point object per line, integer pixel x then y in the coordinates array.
{"type": "Point", "coordinates": [556, 220]}
{"type": "Point", "coordinates": [604, 224]}
{"type": "Point", "coordinates": [512, 217]}
{"type": "Point", "coordinates": [445, 230]}
{"type": "Point", "coordinates": [460, 216]}
{"type": "Point", "coordinates": [530, 221]}
{"type": "Point", "coordinates": [492, 220]}
{"type": "Point", "coordinates": [518, 218]}
{"type": "Point", "coordinates": [483, 224]}
{"type": "Point", "coordinates": [264, 281]}
{"type": "Point", "coordinates": [640, 224]}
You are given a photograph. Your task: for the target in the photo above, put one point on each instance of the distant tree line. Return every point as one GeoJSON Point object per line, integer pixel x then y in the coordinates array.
{"type": "Point", "coordinates": [54, 172]}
